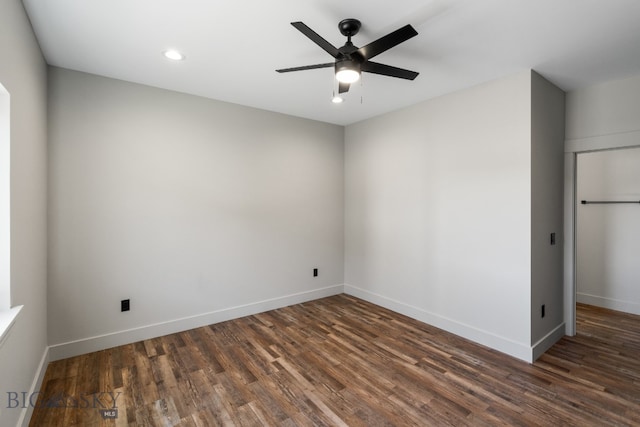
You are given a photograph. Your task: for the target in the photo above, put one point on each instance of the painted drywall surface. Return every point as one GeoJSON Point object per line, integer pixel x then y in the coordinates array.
{"type": "Point", "coordinates": [438, 208]}
{"type": "Point", "coordinates": [606, 109]}
{"type": "Point", "coordinates": [608, 236]}
{"type": "Point", "coordinates": [23, 74]}
{"type": "Point", "coordinates": [547, 181]}
{"type": "Point", "coordinates": [183, 205]}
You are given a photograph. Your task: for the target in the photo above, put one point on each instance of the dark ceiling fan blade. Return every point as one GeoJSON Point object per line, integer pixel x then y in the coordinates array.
{"type": "Point", "coordinates": [316, 38]}
{"type": "Point", "coordinates": [388, 70]}
{"type": "Point", "coordinates": [306, 67]}
{"type": "Point", "coordinates": [387, 42]}
{"type": "Point", "coordinates": [343, 87]}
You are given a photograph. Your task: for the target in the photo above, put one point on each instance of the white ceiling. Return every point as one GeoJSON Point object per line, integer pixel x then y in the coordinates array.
{"type": "Point", "coordinates": [233, 48]}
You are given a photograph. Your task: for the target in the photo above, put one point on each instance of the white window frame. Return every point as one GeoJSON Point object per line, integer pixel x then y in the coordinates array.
{"type": "Point", "coordinates": [8, 313]}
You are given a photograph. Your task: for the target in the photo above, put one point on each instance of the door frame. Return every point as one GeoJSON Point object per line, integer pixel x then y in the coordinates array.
{"type": "Point", "coordinates": [573, 147]}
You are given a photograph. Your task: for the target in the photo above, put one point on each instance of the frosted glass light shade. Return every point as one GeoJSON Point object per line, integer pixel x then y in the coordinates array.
{"type": "Point", "coordinates": [347, 71]}
{"type": "Point", "coordinates": [347, 76]}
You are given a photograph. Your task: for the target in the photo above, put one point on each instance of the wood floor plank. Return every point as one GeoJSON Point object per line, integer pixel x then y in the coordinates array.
{"type": "Point", "coordinates": [343, 361]}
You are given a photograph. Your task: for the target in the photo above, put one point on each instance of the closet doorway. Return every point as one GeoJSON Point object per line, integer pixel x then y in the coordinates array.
{"type": "Point", "coordinates": [607, 229]}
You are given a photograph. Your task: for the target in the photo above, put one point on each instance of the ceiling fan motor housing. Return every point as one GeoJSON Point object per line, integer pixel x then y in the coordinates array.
{"type": "Point", "coordinates": [348, 64]}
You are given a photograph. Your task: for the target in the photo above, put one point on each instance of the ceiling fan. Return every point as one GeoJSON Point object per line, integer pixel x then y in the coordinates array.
{"type": "Point", "coordinates": [350, 60]}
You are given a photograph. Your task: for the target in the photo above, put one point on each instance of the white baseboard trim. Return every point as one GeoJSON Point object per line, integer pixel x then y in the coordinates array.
{"type": "Point", "coordinates": [102, 342]}
{"type": "Point", "coordinates": [36, 385]}
{"type": "Point", "coordinates": [610, 303]}
{"type": "Point", "coordinates": [504, 345]}
{"type": "Point", "coordinates": [548, 340]}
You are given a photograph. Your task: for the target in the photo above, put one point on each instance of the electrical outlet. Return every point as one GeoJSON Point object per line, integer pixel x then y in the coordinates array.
{"type": "Point", "coordinates": [315, 272]}
{"type": "Point", "coordinates": [125, 305]}
{"type": "Point", "coordinates": [542, 313]}
{"type": "Point", "coordinates": [553, 239]}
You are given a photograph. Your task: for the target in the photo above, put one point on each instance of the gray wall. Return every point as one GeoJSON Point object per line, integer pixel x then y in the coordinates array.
{"type": "Point", "coordinates": [23, 74]}
{"type": "Point", "coordinates": [547, 168]}
{"type": "Point", "coordinates": [438, 212]}
{"type": "Point", "coordinates": [189, 206]}
{"type": "Point", "coordinates": [185, 205]}
{"type": "Point", "coordinates": [605, 109]}
{"type": "Point", "coordinates": [449, 209]}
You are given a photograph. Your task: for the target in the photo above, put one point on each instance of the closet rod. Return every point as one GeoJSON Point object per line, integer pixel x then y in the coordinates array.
{"type": "Point", "coordinates": [595, 202]}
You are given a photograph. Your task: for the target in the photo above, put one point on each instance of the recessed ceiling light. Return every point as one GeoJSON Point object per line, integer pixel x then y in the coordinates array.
{"type": "Point", "coordinates": [337, 99]}
{"type": "Point", "coordinates": [174, 55]}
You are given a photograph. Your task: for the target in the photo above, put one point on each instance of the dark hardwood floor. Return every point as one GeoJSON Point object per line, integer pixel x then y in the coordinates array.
{"type": "Point", "coordinates": [343, 361]}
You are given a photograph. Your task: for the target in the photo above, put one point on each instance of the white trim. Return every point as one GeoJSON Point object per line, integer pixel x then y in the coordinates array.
{"type": "Point", "coordinates": [548, 341]}
{"type": "Point", "coordinates": [114, 339]}
{"type": "Point", "coordinates": [25, 415]}
{"type": "Point", "coordinates": [5, 199]}
{"type": "Point", "coordinates": [7, 319]}
{"type": "Point", "coordinates": [515, 349]}
{"type": "Point", "coordinates": [570, 243]}
{"type": "Point", "coordinates": [610, 303]}
{"type": "Point", "coordinates": [603, 142]}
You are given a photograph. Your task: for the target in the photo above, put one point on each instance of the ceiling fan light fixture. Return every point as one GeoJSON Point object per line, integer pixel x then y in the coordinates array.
{"type": "Point", "coordinates": [347, 76]}
{"type": "Point", "coordinates": [347, 71]}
